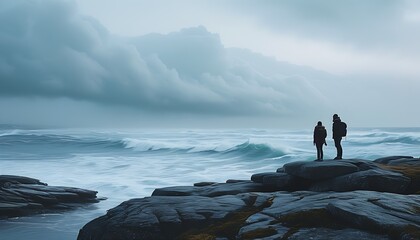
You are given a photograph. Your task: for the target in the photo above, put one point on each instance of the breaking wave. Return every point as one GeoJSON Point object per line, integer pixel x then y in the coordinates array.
{"type": "Point", "coordinates": [58, 143]}
{"type": "Point", "coordinates": [30, 141]}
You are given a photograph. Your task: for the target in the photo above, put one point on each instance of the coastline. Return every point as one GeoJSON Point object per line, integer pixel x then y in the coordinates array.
{"type": "Point", "coordinates": [352, 198]}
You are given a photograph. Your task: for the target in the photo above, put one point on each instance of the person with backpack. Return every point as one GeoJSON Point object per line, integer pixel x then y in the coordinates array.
{"type": "Point", "coordinates": [339, 131]}
{"type": "Point", "coordinates": [320, 133]}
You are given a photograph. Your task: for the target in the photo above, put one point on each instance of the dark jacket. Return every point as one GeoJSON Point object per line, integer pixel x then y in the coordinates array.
{"type": "Point", "coordinates": [320, 133]}
{"type": "Point", "coordinates": [336, 128]}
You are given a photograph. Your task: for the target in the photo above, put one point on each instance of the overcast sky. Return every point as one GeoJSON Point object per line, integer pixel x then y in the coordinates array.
{"type": "Point", "coordinates": [196, 63]}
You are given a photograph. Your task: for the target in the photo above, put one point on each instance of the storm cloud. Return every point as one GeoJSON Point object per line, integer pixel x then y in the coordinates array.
{"type": "Point", "coordinates": [49, 50]}
{"type": "Point", "coordinates": [363, 24]}
{"type": "Point", "coordinates": [194, 67]}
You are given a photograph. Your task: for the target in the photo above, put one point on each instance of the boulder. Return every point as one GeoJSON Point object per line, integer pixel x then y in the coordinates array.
{"type": "Point", "coordinates": [261, 224]}
{"type": "Point", "coordinates": [386, 160]}
{"type": "Point", "coordinates": [320, 170]}
{"type": "Point", "coordinates": [392, 214]}
{"type": "Point", "coordinates": [363, 165]}
{"type": "Point", "coordinates": [258, 177]}
{"type": "Point", "coordinates": [397, 215]}
{"type": "Point", "coordinates": [20, 196]}
{"type": "Point", "coordinates": [212, 190]}
{"type": "Point", "coordinates": [202, 184]}
{"type": "Point", "coordinates": [166, 217]}
{"type": "Point", "coordinates": [285, 182]}
{"type": "Point", "coordinates": [408, 166]}
{"type": "Point", "coordinates": [412, 162]}
{"type": "Point", "coordinates": [375, 180]}
{"type": "Point", "coordinates": [280, 181]}
{"type": "Point", "coordinates": [343, 199]}
{"type": "Point", "coordinates": [19, 179]}
{"type": "Point", "coordinates": [335, 234]}
{"type": "Point", "coordinates": [279, 215]}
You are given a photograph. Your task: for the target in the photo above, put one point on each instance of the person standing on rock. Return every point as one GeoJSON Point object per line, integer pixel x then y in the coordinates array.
{"type": "Point", "coordinates": [320, 133]}
{"type": "Point", "coordinates": [339, 131]}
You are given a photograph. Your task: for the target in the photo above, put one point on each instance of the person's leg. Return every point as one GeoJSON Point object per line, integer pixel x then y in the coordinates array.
{"type": "Point", "coordinates": [340, 150]}
{"type": "Point", "coordinates": [319, 152]}
{"type": "Point", "coordinates": [337, 143]}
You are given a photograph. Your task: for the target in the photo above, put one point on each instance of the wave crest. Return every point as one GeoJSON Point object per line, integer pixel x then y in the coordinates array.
{"type": "Point", "coordinates": [386, 138]}
{"type": "Point", "coordinates": [246, 149]}
{"type": "Point", "coordinates": [254, 150]}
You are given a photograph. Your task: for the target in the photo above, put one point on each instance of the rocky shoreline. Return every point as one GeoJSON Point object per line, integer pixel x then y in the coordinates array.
{"type": "Point", "coordinates": [333, 199]}
{"type": "Point", "coordinates": [21, 196]}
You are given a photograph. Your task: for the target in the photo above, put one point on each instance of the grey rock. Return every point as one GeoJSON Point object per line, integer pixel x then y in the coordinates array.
{"type": "Point", "coordinates": [386, 160]}
{"type": "Point", "coordinates": [320, 170]}
{"type": "Point", "coordinates": [236, 180]}
{"type": "Point", "coordinates": [19, 179]}
{"type": "Point", "coordinates": [284, 204]}
{"type": "Point", "coordinates": [363, 165]}
{"type": "Point", "coordinates": [283, 182]}
{"type": "Point", "coordinates": [202, 184]}
{"type": "Point", "coordinates": [403, 161]}
{"type": "Point", "coordinates": [211, 190]}
{"type": "Point", "coordinates": [335, 234]}
{"type": "Point", "coordinates": [390, 213]}
{"type": "Point", "coordinates": [379, 212]}
{"type": "Point", "coordinates": [344, 199]}
{"type": "Point", "coordinates": [258, 222]}
{"type": "Point", "coordinates": [357, 214]}
{"type": "Point", "coordinates": [165, 217]}
{"type": "Point", "coordinates": [375, 180]}
{"type": "Point", "coordinates": [20, 196]}
{"type": "Point", "coordinates": [258, 177]}
{"type": "Point", "coordinates": [415, 162]}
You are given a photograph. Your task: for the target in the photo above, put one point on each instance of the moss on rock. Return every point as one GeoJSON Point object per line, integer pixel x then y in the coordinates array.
{"type": "Point", "coordinates": [259, 233]}
{"type": "Point", "coordinates": [413, 172]}
{"type": "Point", "coordinates": [310, 218]}
{"type": "Point", "coordinates": [410, 232]}
{"type": "Point", "coordinates": [200, 236]}
{"type": "Point", "coordinates": [228, 228]}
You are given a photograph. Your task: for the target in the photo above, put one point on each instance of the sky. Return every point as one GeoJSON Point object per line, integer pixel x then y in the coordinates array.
{"type": "Point", "coordinates": [209, 63]}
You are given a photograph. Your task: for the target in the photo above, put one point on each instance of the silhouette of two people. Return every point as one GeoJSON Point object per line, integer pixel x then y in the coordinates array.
{"type": "Point", "coordinates": [339, 130]}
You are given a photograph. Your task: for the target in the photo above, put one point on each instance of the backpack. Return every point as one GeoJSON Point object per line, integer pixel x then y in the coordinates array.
{"type": "Point", "coordinates": [342, 129]}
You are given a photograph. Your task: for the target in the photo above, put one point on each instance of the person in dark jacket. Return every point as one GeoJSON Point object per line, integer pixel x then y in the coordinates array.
{"type": "Point", "coordinates": [337, 136]}
{"type": "Point", "coordinates": [320, 133]}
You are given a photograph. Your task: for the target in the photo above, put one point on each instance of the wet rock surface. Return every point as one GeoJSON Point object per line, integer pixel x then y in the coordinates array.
{"type": "Point", "coordinates": [345, 199]}
{"type": "Point", "coordinates": [344, 175]}
{"type": "Point", "coordinates": [20, 196]}
{"type": "Point", "coordinates": [212, 190]}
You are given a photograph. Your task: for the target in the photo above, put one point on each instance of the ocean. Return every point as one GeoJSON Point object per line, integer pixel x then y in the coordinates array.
{"type": "Point", "coordinates": [130, 163]}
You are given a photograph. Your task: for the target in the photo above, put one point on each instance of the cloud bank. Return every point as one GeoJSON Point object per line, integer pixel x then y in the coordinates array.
{"type": "Point", "coordinates": [55, 60]}
{"type": "Point", "coordinates": [49, 50]}
{"type": "Point", "coordinates": [364, 24]}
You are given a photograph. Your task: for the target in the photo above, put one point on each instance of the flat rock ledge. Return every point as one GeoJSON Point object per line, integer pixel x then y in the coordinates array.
{"type": "Point", "coordinates": [334, 199]}
{"type": "Point", "coordinates": [21, 196]}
